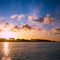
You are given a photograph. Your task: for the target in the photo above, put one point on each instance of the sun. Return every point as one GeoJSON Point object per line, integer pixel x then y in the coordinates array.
{"type": "Point", "coordinates": [7, 34]}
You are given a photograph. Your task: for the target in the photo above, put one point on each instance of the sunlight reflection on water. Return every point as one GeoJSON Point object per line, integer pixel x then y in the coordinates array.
{"type": "Point", "coordinates": [6, 51]}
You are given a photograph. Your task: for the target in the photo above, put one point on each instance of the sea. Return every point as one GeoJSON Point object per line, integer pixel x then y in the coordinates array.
{"type": "Point", "coordinates": [29, 50]}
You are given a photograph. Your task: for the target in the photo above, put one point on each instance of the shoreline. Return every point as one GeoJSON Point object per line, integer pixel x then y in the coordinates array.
{"type": "Point", "coordinates": [25, 40]}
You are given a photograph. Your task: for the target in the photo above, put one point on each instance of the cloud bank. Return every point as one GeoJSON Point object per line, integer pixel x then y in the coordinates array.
{"type": "Point", "coordinates": [39, 28]}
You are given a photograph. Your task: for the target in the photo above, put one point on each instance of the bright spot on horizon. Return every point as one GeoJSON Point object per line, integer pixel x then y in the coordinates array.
{"type": "Point", "coordinates": [7, 34]}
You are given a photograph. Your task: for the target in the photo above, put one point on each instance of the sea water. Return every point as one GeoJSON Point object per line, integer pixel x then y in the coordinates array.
{"type": "Point", "coordinates": [29, 51]}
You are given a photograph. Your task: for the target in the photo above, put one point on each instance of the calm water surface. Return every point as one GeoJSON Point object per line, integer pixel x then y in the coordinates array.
{"type": "Point", "coordinates": [29, 51]}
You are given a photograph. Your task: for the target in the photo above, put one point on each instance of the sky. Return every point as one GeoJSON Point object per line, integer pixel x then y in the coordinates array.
{"type": "Point", "coordinates": [30, 18]}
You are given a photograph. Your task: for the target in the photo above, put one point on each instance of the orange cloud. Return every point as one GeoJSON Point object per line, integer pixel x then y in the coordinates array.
{"type": "Point", "coordinates": [56, 30]}
{"type": "Point", "coordinates": [47, 19]}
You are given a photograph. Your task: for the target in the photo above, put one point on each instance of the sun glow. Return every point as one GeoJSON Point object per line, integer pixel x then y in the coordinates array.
{"type": "Point", "coordinates": [7, 34]}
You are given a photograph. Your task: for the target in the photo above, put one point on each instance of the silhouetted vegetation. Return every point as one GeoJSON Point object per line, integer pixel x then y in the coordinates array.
{"type": "Point", "coordinates": [24, 40]}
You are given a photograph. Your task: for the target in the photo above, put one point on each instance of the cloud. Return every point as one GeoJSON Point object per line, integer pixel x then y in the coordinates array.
{"type": "Point", "coordinates": [12, 27]}
{"type": "Point", "coordinates": [34, 13]}
{"type": "Point", "coordinates": [37, 23]}
{"type": "Point", "coordinates": [18, 17]}
{"type": "Point", "coordinates": [13, 16]}
{"type": "Point", "coordinates": [16, 28]}
{"type": "Point", "coordinates": [56, 30]}
{"type": "Point", "coordinates": [6, 26]}
{"type": "Point", "coordinates": [47, 19]}
{"type": "Point", "coordinates": [1, 30]}
{"type": "Point", "coordinates": [42, 22]}
{"type": "Point", "coordinates": [32, 18]}
{"type": "Point", "coordinates": [26, 26]}
{"type": "Point", "coordinates": [21, 16]}
{"type": "Point", "coordinates": [40, 19]}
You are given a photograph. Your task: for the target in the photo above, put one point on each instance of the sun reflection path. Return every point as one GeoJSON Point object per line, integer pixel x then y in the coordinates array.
{"type": "Point", "coordinates": [6, 51]}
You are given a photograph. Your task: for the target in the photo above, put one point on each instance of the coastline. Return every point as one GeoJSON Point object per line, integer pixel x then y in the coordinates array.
{"type": "Point", "coordinates": [25, 40]}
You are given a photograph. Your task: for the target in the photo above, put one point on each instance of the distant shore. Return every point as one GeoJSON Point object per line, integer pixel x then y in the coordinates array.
{"type": "Point", "coordinates": [24, 40]}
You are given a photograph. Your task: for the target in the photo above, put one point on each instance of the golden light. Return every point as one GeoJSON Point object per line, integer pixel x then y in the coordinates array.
{"type": "Point", "coordinates": [6, 31]}
{"type": "Point", "coordinates": [7, 34]}
{"type": "Point", "coordinates": [6, 51]}
{"type": "Point", "coordinates": [6, 48]}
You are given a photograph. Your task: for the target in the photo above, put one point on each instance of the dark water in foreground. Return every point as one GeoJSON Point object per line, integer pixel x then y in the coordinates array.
{"type": "Point", "coordinates": [29, 51]}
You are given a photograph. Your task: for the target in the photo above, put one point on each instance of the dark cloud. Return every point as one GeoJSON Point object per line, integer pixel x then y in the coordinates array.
{"type": "Point", "coordinates": [40, 19]}
{"type": "Point", "coordinates": [26, 26]}
{"type": "Point", "coordinates": [17, 27]}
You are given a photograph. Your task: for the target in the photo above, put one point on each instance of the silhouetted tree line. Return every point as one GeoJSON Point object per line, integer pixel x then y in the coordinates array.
{"type": "Point", "coordinates": [23, 40]}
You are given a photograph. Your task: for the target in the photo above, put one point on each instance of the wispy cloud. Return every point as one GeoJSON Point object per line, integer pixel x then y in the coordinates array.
{"type": "Point", "coordinates": [34, 13]}
{"type": "Point", "coordinates": [18, 17]}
